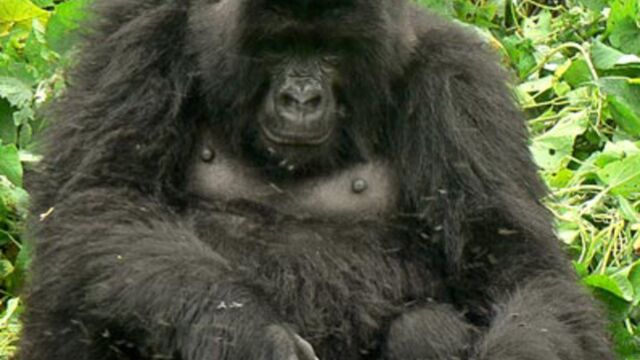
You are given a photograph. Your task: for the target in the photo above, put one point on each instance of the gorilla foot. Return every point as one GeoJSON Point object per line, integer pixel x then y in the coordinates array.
{"type": "Point", "coordinates": [283, 344]}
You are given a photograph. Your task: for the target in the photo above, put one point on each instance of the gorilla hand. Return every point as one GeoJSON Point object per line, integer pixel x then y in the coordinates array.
{"type": "Point", "coordinates": [283, 344]}
{"type": "Point", "coordinates": [435, 332]}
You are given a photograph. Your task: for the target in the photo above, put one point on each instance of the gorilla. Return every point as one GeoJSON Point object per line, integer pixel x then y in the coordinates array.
{"type": "Point", "coordinates": [293, 180]}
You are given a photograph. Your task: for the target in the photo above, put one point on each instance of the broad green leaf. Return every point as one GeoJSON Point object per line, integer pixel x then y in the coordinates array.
{"type": "Point", "coordinates": [65, 20]}
{"type": "Point", "coordinates": [10, 165]}
{"type": "Point", "coordinates": [538, 28]}
{"type": "Point", "coordinates": [23, 116]}
{"type": "Point", "coordinates": [17, 92]}
{"type": "Point", "coordinates": [14, 199]}
{"type": "Point", "coordinates": [552, 149]}
{"type": "Point", "coordinates": [560, 178]}
{"type": "Point", "coordinates": [623, 176]}
{"type": "Point", "coordinates": [615, 284]}
{"type": "Point", "coordinates": [624, 101]}
{"type": "Point", "coordinates": [604, 57]}
{"type": "Point", "coordinates": [538, 85]}
{"type": "Point", "coordinates": [20, 13]}
{"type": "Point", "coordinates": [626, 36]}
{"type": "Point", "coordinates": [567, 231]}
{"type": "Point", "coordinates": [622, 26]}
{"type": "Point", "coordinates": [578, 73]}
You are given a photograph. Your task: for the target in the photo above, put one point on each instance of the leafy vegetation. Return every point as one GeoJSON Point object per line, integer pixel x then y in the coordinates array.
{"type": "Point", "coordinates": [577, 65]}
{"type": "Point", "coordinates": [35, 47]}
{"type": "Point", "coordinates": [578, 68]}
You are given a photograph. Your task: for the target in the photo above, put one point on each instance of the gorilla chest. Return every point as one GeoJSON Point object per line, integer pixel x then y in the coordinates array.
{"type": "Point", "coordinates": [334, 263]}
{"type": "Point", "coordinates": [360, 192]}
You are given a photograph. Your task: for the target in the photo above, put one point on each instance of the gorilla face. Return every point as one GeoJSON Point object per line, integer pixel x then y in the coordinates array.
{"type": "Point", "coordinates": [299, 114]}
{"type": "Point", "coordinates": [285, 72]}
{"type": "Point", "coordinates": [300, 108]}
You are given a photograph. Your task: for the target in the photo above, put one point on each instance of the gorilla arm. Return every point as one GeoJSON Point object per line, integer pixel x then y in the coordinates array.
{"type": "Point", "coordinates": [133, 273]}
{"type": "Point", "coordinates": [472, 178]}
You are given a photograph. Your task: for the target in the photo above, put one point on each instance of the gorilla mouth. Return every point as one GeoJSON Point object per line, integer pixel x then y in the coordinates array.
{"type": "Point", "coordinates": [295, 137]}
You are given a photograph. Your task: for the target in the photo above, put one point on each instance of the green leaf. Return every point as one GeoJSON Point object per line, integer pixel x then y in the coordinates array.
{"type": "Point", "coordinates": [624, 102]}
{"type": "Point", "coordinates": [560, 178]}
{"type": "Point", "coordinates": [20, 11]}
{"type": "Point", "coordinates": [10, 165]}
{"type": "Point", "coordinates": [567, 231]}
{"type": "Point", "coordinates": [634, 279]}
{"type": "Point", "coordinates": [622, 26]}
{"type": "Point", "coordinates": [43, 3]}
{"type": "Point", "coordinates": [627, 345]}
{"type": "Point", "coordinates": [604, 57]}
{"type": "Point", "coordinates": [10, 309]}
{"type": "Point", "coordinates": [8, 131]}
{"type": "Point", "coordinates": [538, 28]}
{"type": "Point", "coordinates": [17, 92]}
{"type": "Point", "coordinates": [623, 177]}
{"type": "Point", "coordinates": [13, 199]}
{"type": "Point", "coordinates": [627, 210]}
{"type": "Point", "coordinates": [538, 85]}
{"type": "Point", "coordinates": [552, 149]}
{"type": "Point", "coordinates": [65, 21]}
{"type": "Point", "coordinates": [6, 268]}
{"type": "Point", "coordinates": [626, 36]}
{"type": "Point", "coordinates": [581, 269]}
{"type": "Point", "coordinates": [616, 284]}
{"type": "Point", "coordinates": [578, 73]}
{"type": "Point", "coordinates": [595, 5]}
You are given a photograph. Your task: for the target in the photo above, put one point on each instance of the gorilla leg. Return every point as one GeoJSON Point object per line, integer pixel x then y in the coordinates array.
{"type": "Point", "coordinates": [549, 319]}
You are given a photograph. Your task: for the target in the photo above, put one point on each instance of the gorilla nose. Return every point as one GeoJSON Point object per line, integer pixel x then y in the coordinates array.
{"type": "Point", "coordinates": [300, 103]}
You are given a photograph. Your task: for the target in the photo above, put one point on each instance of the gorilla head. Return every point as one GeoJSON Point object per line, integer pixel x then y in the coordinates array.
{"type": "Point", "coordinates": [291, 81]}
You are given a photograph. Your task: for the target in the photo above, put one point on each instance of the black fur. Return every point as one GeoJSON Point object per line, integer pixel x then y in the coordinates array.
{"type": "Point", "coordinates": [128, 265]}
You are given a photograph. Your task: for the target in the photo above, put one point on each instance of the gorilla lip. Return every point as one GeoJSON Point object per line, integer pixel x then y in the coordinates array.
{"type": "Point", "coordinates": [297, 139]}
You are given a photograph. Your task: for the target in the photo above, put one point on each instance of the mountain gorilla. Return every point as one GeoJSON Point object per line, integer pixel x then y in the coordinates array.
{"type": "Point", "coordinates": [292, 180]}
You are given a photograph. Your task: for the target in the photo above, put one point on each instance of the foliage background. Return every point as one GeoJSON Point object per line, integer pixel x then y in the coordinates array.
{"type": "Point", "coordinates": [577, 68]}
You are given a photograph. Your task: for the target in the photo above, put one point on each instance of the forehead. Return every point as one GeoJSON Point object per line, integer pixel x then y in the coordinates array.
{"type": "Point", "coordinates": [310, 19]}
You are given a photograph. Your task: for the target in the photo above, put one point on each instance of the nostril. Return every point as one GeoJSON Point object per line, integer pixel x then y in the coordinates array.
{"type": "Point", "coordinates": [287, 100]}
{"type": "Point", "coordinates": [314, 102]}
{"type": "Point", "coordinates": [299, 101]}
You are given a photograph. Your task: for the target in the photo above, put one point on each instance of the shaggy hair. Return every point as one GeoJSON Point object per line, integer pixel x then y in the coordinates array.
{"type": "Point", "coordinates": [129, 265]}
